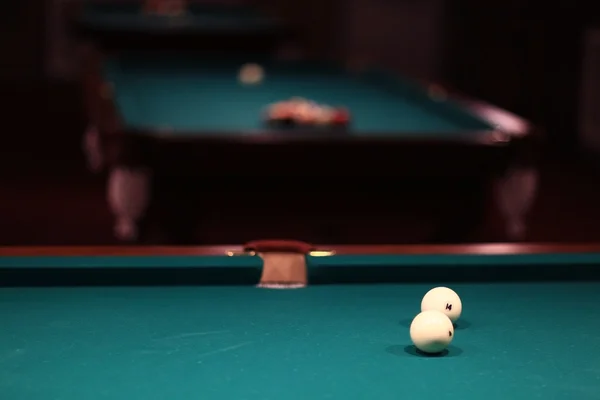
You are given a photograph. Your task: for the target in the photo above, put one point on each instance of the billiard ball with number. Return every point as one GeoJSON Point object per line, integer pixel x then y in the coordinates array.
{"type": "Point", "coordinates": [443, 299]}
{"type": "Point", "coordinates": [431, 332]}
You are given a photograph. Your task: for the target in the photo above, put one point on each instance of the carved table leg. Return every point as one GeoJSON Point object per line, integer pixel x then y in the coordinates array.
{"type": "Point", "coordinates": [515, 193]}
{"type": "Point", "coordinates": [128, 196]}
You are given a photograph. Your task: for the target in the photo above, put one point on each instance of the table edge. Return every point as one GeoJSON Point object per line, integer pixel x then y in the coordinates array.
{"type": "Point", "coordinates": [224, 250]}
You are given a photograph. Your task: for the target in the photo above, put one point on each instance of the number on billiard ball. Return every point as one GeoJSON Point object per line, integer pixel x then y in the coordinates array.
{"type": "Point", "coordinates": [431, 332]}
{"type": "Point", "coordinates": [443, 299]}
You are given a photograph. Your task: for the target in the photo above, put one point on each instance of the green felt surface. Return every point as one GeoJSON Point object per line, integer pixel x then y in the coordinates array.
{"type": "Point", "coordinates": [129, 17]}
{"type": "Point", "coordinates": [515, 341]}
{"type": "Point", "coordinates": [185, 96]}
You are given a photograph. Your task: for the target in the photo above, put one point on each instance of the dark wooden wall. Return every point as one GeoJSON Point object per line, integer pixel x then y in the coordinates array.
{"type": "Point", "coordinates": [522, 55]}
{"type": "Point", "coordinates": [318, 23]}
{"type": "Point", "coordinates": [22, 40]}
{"type": "Point", "coordinates": [511, 53]}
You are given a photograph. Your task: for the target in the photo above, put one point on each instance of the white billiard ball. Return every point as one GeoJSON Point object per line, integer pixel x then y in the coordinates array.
{"type": "Point", "coordinates": [443, 299]}
{"type": "Point", "coordinates": [431, 332]}
{"type": "Point", "coordinates": [251, 74]}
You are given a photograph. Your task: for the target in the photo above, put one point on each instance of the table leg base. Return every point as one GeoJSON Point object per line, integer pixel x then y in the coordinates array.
{"type": "Point", "coordinates": [128, 197]}
{"type": "Point", "coordinates": [273, 285]}
{"type": "Point", "coordinates": [126, 230]}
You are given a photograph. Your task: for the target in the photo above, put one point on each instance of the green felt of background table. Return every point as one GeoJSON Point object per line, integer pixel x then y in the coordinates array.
{"type": "Point", "coordinates": [130, 17]}
{"type": "Point", "coordinates": [515, 341]}
{"type": "Point", "coordinates": [190, 95]}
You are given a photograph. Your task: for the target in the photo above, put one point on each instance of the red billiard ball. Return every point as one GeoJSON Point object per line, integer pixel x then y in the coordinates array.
{"type": "Point", "coordinates": [341, 116]}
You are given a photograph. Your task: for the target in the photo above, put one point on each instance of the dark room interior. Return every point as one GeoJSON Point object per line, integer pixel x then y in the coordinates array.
{"type": "Point", "coordinates": [299, 200]}
{"type": "Point", "coordinates": [515, 55]}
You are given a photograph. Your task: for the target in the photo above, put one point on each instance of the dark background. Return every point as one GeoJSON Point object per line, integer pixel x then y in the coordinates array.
{"type": "Point", "coordinates": [524, 56]}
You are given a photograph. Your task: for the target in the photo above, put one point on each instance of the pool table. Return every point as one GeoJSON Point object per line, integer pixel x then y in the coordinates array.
{"type": "Point", "coordinates": [116, 26]}
{"type": "Point", "coordinates": [189, 322]}
{"type": "Point", "coordinates": [185, 128]}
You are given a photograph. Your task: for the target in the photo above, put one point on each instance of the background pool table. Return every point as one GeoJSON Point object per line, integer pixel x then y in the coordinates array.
{"type": "Point", "coordinates": [202, 96]}
{"type": "Point", "coordinates": [199, 133]}
{"type": "Point", "coordinates": [105, 324]}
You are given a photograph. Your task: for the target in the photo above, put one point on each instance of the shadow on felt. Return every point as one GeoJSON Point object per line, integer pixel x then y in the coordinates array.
{"type": "Point", "coordinates": [412, 351]}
